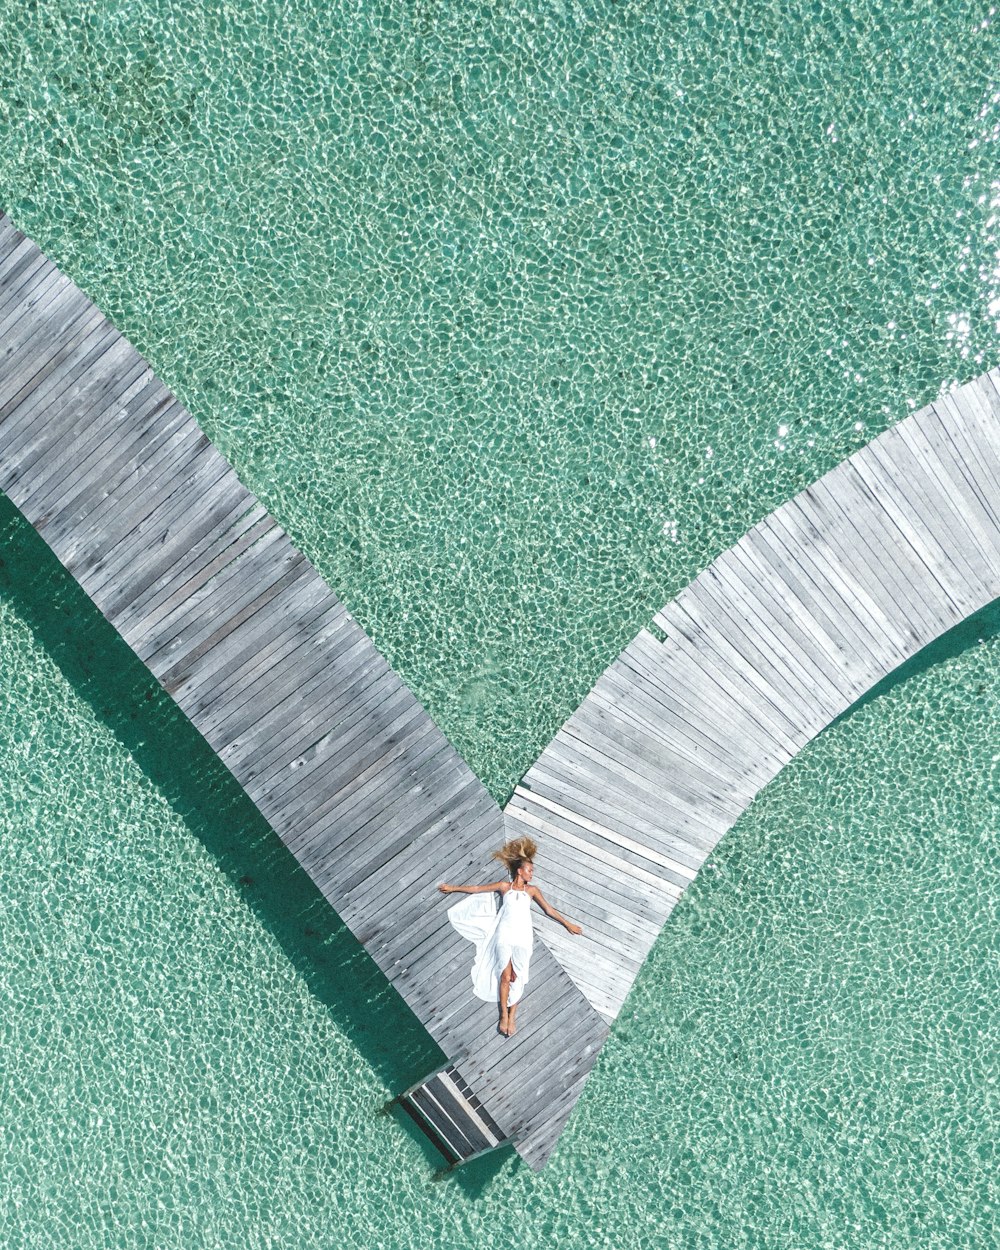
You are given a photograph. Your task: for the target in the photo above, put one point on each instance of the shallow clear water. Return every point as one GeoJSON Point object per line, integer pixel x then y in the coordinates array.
{"type": "Point", "coordinates": [515, 318]}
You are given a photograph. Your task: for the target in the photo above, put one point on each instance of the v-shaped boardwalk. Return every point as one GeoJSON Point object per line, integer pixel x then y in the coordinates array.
{"type": "Point", "coordinates": [775, 639]}
{"type": "Point", "coordinates": [338, 755]}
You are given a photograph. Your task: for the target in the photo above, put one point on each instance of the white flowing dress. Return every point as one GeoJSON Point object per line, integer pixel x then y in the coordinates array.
{"type": "Point", "coordinates": [501, 935]}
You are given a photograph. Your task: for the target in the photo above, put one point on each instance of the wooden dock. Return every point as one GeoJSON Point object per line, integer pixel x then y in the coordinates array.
{"type": "Point", "coordinates": [774, 640]}
{"type": "Point", "coordinates": [233, 621]}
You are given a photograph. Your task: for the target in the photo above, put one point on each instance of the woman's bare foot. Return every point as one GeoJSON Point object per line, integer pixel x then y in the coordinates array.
{"type": "Point", "coordinates": [511, 1023]}
{"type": "Point", "coordinates": [504, 1025]}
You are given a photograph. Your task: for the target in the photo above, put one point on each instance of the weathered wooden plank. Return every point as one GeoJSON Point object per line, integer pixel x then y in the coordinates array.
{"type": "Point", "coordinates": [626, 706]}
{"type": "Point", "coordinates": [611, 941]}
{"type": "Point", "coordinates": [685, 623]}
{"type": "Point", "coordinates": [926, 511]}
{"type": "Point", "coordinates": [926, 552]}
{"type": "Point", "coordinates": [155, 587]}
{"type": "Point", "coordinates": [554, 1064]}
{"type": "Point", "coordinates": [438, 957]}
{"type": "Point", "coordinates": [671, 678]}
{"type": "Point", "coordinates": [442, 959]}
{"type": "Point", "coordinates": [100, 460]}
{"type": "Point", "coordinates": [980, 402]}
{"type": "Point", "coordinates": [370, 790]}
{"type": "Point", "coordinates": [448, 1095]}
{"type": "Point", "coordinates": [438, 857]}
{"type": "Point", "coordinates": [598, 750]}
{"type": "Point", "coordinates": [552, 1067]}
{"type": "Point", "coordinates": [610, 925]}
{"type": "Point", "coordinates": [828, 602]}
{"type": "Point", "coordinates": [774, 674]}
{"type": "Point", "coordinates": [774, 699]}
{"type": "Point", "coordinates": [336, 703]}
{"type": "Point", "coordinates": [225, 593]}
{"type": "Point", "coordinates": [536, 1063]}
{"type": "Point", "coordinates": [622, 692]}
{"type": "Point", "coordinates": [30, 345]}
{"type": "Point", "coordinates": [451, 1012]}
{"type": "Point", "coordinates": [186, 650]}
{"type": "Point", "coordinates": [26, 279]}
{"type": "Point", "coordinates": [96, 535]}
{"type": "Point", "coordinates": [158, 520]}
{"type": "Point", "coordinates": [449, 965]}
{"type": "Point", "coordinates": [389, 833]}
{"type": "Point", "coordinates": [960, 499]}
{"type": "Point", "coordinates": [677, 674]}
{"type": "Point", "coordinates": [337, 674]}
{"type": "Point", "coordinates": [104, 398]}
{"type": "Point", "coordinates": [767, 621]}
{"type": "Point", "coordinates": [17, 251]}
{"type": "Point", "coordinates": [10, 238]}
{"type": "Point", "coordinates": [985, 391]}
{"type": "Point", "coordinates": [535, 1147]}
{"type": "Point", "coordinates": [27, 284]}
{"type": "Point", "coordinates": [635, 869]}
{"type": "Point", "coordinates": [95, 555]}
{"type": "Point", "coordinates": [382, 901]}
{"type": "Point", "coordinates": [330, 739]}
{"type": "Point", "coordinates": [584, 888]}
{"type": "Point", "coordinates": [32, 398]}
{"type": "Point", "coordinates": [684, 779]}
{"type": "Point", "coordinates": [19, 315]}
{"type": "Point", "coordinates": [604, 970]}
{"type": "Point", "coordinates": [588, 837]}
{"type": "Point", "coordinates": [297, 720]}
{"type": "Point", "coordinates": [309, 619]}
{"type": "Point", "coordinates": [807, 611]}
{"type": "Point", "coordinates": [377, 782]}
{"type": "Point", "coordinates": [269, 565]}
{"type": "Point", "coordinates": [67, 493]}
{"type": "Point", "coordinates": [38, 392]}
{"type": "Point", "coordinates": [948, 424]}
{"type": "Point", "coordinates": [447, 1128]}
{"type": "Point", "coordinates": [688, 834]}
{"type": "Point", "coordinates": [359, 795]}
{"type": "Point", "coordinates": [551, 777]}
{"type": "Point", "coordinates": [979, 409]}
{"type": "Point", "coordinates": [831, 537]}
{"type": "Point", "coordinates": [428, 947]}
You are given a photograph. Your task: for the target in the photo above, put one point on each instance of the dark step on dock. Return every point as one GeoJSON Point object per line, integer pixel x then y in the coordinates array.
{"type": "Point", "coordinates": [452, 1116]}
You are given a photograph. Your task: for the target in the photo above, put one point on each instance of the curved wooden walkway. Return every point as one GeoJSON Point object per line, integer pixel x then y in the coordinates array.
{"type": "Point", "coordinates": [775, 639]}
{"type": "Point", "coordinates": [338, 755]}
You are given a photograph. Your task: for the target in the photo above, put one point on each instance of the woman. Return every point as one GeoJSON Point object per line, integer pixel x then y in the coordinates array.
{"type": "Point", "coordinates": [503, 938]}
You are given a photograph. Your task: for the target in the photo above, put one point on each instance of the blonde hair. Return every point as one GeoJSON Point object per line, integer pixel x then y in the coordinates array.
{"type": "Point", "coordinates": [513, 854]}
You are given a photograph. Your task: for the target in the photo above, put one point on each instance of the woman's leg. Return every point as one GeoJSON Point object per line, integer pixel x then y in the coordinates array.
{"type": "Point", "coordinates": [505, 977]}
{"type": "Point", "coordinates": [522, 958]}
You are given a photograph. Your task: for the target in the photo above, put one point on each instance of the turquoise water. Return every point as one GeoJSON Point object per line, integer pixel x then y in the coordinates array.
{"type": "Point", "coordinates": [514, 317]}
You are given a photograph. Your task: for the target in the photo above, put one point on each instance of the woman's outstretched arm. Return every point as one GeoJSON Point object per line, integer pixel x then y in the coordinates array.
{"type": "Point", "coordinates": [474, 889]}
{"type": "Point", "coordinates": [549, 910]}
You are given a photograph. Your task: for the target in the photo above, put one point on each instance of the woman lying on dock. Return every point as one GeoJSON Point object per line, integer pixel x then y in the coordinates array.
{"type": "Point", "coordinates": [503, 937]}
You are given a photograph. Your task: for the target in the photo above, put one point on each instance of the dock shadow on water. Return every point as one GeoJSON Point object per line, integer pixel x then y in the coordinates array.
{"type": "Point", "coordinates": [125, 697]}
